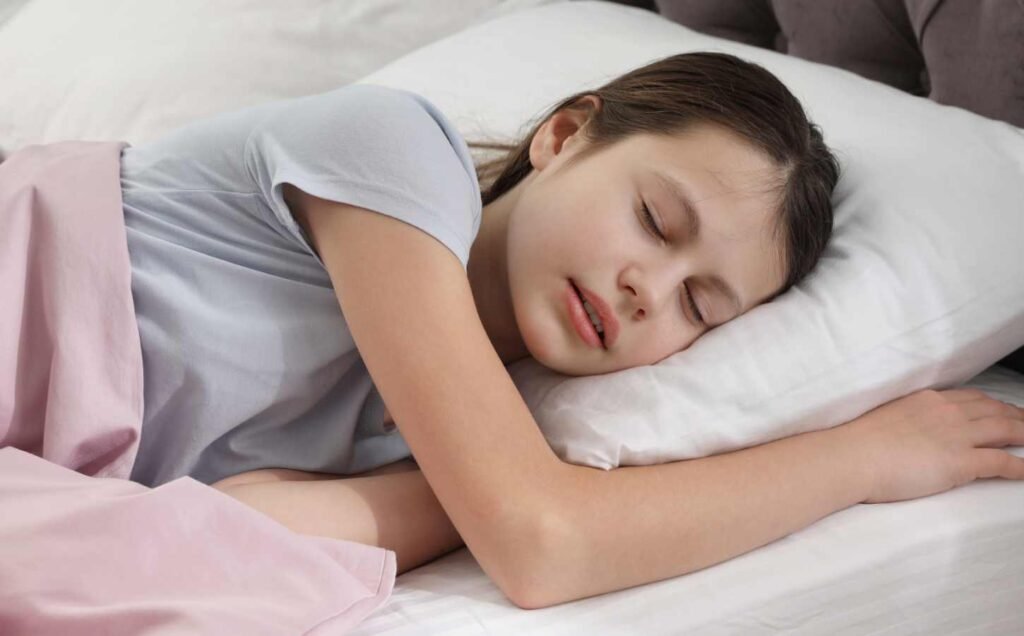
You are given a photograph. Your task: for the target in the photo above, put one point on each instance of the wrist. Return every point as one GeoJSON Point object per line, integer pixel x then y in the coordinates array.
{"type": "Point", "coordinates": [846, 445]}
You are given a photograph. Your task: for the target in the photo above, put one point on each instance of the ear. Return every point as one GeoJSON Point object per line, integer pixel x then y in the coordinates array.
{"type": "Point", "coordinates": [562, 130]}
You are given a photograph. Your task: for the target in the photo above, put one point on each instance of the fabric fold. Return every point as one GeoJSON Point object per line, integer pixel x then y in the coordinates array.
{"type": "Point", "coordinates": [84, 550]}
{"type": "Point", "coordinates": [70, 358]}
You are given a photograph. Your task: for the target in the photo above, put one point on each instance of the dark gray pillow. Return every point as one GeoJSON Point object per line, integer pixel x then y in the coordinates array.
{"type": "Point", "coordinates": [966, 53]}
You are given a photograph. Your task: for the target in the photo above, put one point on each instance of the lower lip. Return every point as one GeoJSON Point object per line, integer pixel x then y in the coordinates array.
{"type": "Point", "coordinates": [580, 319]}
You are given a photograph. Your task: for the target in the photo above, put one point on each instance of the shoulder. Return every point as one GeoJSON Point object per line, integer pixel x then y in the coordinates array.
{"type": "Point", "coordinates": [353, 241]}
{"type": "Point", "coordinates": [386, 102]}
{"type": "Point", "coordinates": [401, 110]}
{"type": "Point", "coordinates": [373, 147]}
{"type": "Point", "coordinates": [408, 122]}
{"type": "Point", "coordinates": [378, 121]}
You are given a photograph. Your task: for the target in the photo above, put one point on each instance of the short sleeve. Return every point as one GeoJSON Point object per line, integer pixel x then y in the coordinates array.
{"type": "Point", "coordinates": [374, 147]}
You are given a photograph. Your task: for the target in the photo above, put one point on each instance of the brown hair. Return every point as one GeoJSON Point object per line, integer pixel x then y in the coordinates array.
{"type": "Point", "coordinates": [672, 94]}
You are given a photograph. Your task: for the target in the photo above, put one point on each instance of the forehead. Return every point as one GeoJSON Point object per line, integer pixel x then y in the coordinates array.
{"type": "Point", "coordinates": [710, 151]}
{"type": "Point", "coordinates": [733, 189]}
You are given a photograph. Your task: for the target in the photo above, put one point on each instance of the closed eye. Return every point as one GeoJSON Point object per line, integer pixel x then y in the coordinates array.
{"type": "Point", "coordinates": [648, 221]}
{"type": "Point", "coordinates": [693, 306]}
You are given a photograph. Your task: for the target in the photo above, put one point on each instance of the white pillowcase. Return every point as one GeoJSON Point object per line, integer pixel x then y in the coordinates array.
{"type": "Point", "coordinates": [922, 284]}
{"type": "Point", "coordinates": [131, 71]}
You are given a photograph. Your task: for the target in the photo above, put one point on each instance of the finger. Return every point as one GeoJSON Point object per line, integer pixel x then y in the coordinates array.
{"type": "Point", "coordinates": [996, 432]}
{"type": "Point", "coordinates": [957, 396]}
{"type": "Point", "coordinates": [990, 407]}
{"type": "Point", "coordinates": [990, 462]}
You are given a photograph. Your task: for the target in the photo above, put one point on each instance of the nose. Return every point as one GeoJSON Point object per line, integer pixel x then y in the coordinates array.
{"type": "Point", "coordinates": [646, 292]}
{"type": "Point", "coordinates": [642, 301]}
{"type": "Point", "coordinates": [636, 303]}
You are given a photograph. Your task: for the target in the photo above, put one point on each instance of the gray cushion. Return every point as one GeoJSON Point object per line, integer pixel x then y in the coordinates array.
{"type": "Point", "coordinates": [966, 53]}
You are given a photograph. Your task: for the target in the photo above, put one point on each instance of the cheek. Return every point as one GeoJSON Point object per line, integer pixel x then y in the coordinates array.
{"type": "Point", "coordinates": [548, 242]}
{"type": "Point", "coordinates": [671, 336]}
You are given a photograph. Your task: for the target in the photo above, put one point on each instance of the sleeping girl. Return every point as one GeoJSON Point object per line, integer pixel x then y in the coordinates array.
{"type": "Point", "coordinates": [328, 290]}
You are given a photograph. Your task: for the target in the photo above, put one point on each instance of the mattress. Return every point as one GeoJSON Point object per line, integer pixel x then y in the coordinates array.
{"type": "Point", "coordinates": [951, 563]}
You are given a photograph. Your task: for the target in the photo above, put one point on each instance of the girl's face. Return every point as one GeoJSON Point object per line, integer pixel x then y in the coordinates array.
{"type": "Point", "coordinates": [711, 196]}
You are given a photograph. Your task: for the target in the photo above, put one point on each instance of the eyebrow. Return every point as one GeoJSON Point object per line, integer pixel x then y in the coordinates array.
{"type": "Point", "coordinates": [685, 203]}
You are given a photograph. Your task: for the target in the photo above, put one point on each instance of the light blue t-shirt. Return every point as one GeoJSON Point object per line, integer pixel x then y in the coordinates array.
{"type": "Point", "coordinates": [247, 360]}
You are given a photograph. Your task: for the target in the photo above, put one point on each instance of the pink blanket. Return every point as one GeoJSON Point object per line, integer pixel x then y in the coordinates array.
{"type": "Point", "coordinates": [82, 549]}
{"type": "Point", "coordinates": [70, 361]}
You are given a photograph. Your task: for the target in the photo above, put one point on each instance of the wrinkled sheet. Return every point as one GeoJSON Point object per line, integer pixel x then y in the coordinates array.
{"type": "Point", "coordinates": [83, 550]}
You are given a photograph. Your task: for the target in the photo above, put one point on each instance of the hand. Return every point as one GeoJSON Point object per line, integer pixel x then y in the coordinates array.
{"type": "Point", "coordinates": [932, 441]}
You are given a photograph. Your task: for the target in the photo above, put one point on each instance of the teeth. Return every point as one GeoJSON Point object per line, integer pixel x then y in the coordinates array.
{"type": "Point", "coordinates": [593, 316]}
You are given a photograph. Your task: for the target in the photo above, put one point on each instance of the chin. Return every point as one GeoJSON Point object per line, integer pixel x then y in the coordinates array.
{"type": "Point", "coordinates": [551, 356]}
{"type": "Point", "coordinates": [567, 365]}
{"type": "Point", "coordinates": [563, 369]}
{"type": "Point", "coordinates": [555, 353]}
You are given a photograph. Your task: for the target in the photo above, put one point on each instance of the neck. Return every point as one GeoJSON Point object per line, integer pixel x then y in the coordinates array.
{"type": "Point", "coordinates": [488, 279]}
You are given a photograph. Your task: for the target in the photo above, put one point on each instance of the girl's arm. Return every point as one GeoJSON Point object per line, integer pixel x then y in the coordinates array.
{"type": "Point", "coordinates": [408, 304]}
{"type": "Point", "coordinates": [742, 500]}
{"type": "Point", "coordinates": [288, 474]}
{"type": "Point", "coordinates": [391, 507]}
{"type": "Point", "coordinates": [547, 532]}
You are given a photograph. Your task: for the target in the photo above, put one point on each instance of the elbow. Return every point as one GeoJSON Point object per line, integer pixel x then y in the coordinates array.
{"type": "Point", "coordinates": [527, 591]}
{"type": "Point", "coordinates": [530, 600]}
{"type": "Point", "coordinates": [538, 572]}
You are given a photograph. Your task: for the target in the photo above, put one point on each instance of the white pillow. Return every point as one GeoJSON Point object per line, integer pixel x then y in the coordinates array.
{"type": "Point", "coordinates": [131, 71]}
{"type": "Point", "coordinates": [922, 284]}
{"type": "Point", "coordinates": [8, 8]}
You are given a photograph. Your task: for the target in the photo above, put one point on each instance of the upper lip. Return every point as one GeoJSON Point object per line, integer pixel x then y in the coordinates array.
{"type": "Point", "coordinates": [604, 312]}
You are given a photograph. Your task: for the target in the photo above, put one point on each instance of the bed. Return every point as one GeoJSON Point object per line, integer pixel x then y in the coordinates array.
{"type": "Point", "coordinates": [946, 564]}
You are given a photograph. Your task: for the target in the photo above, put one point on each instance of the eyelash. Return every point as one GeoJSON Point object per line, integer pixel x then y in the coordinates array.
{"type": "Point", "coordinates": [648, 221]}
{"type": "Point", "coordinates": [693, 306]}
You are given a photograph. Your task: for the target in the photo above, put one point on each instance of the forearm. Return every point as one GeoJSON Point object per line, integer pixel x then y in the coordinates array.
{"type": "Point", "coordinates": [635, 525]}
{"type": "Point", "coordinates": [289, 474]}
{"type": "Point", "coordinates": [397, 511]}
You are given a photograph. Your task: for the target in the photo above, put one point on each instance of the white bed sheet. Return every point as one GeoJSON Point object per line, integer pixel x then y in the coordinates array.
{"type": "Point", "coordinates": [952, 563]}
